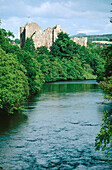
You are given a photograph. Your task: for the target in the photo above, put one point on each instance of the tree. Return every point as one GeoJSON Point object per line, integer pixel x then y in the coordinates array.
{"type": "Point", "coordinates": [108, 65]}
{"type": "Point", "coordinates": [6, 34]}
{"type": "Point", "coordinates": [42, 50]}
{"type": "Point", "coordinates": [5, 39]}
{"type": "Point", "coordinates": [17, 41]}
{"type": "Point", "coordinates": [29, 45]}
{"type": "Point", "coordinates": [13, 83]}
{"type": "Point", "coordinates": [63, 47]}
{"type": "Point", "coordinates": [104, 138]}
{"type": "Point", "coordinates": [34, 74]}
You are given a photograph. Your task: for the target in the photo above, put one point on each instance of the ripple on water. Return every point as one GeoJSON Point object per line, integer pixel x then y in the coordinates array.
{"type": "Point", "coordinates": [58, 133]}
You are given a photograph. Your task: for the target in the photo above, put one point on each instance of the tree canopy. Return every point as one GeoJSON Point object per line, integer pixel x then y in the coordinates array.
{"type": "Point", "coordinates": [29, 45]}
{"type": "Point", "coordinates": [14, 87]}
{"type": "Point", "coordinates": [104, 138]}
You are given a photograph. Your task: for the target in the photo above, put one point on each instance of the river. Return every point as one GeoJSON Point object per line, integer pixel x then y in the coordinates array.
{"type": "Point", "coordinates": [56, 129]}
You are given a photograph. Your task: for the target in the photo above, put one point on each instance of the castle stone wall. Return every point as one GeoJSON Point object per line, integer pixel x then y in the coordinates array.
{"type": "Point", "coordinates": [81, 41]}
{"type": "Point", "coordinates": [40, 39]}
{"type": "Point", "coordinates": [46, 38]}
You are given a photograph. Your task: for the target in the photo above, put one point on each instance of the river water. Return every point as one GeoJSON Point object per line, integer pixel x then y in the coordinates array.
{"type": "Point", "coordinates": [56, 130]}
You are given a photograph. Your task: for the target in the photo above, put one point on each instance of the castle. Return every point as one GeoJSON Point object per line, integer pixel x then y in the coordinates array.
{"type": "Point", "coordinates": [47, 38]}
{"type": "Point", "coordinates": [81, 41]}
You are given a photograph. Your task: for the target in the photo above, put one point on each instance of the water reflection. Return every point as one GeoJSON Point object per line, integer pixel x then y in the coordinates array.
{"type": "Point", "coordinates": [9, 122]}
{"type": "Point", "coordinates": [68, 87]}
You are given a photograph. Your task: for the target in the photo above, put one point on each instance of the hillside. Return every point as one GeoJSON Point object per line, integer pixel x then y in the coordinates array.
{"type": "Point", "coordinates": [104, 37]}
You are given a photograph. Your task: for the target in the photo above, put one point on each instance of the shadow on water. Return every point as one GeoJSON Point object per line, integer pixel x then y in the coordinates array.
{"type": "Point", "coordinates": [31, 103]}
{"type": "Point", "coordinates": [62, 87]}
{"type": "Point", "coordinates": [69, 87]}
{"type": "Point", "coordinates": [9, 122]}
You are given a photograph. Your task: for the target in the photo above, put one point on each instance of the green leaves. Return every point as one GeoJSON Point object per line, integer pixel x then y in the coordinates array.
{"type": "Point", "coordinates": [104, 138]}
{"type": "Point", "coordinates": [63, 47]}
{"type": "Point", "coordinates": [29, 45]}
{"type": "Point", "coordinates": [42, 50]}
{"type": "Point", "coordinates": [107, 87]}
{"type": "Point", "coordinates": [33, 72]}
{"type": "Point", "coordinates": [13, 83]}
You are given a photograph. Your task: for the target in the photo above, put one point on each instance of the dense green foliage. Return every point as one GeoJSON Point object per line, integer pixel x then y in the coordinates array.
{"type": "Point", "coordinates": [13, 82]}
{"type": "Point", "coordinates": [104, 138]}
{"type": "Point", "coordinates": [34, 74]}
{"type": "Point", "coordinates": [42, 50]}
{"type": "Point", "coordinates": [106, 84]}
{"type": "Point", "coordinates": [23, 76]}
{"type": "Point", "coordinates": [86, 61]}
{"type": "Point", "coordinates": [17, 41]}
{"type": "Point", "coordinates": [29, 46]}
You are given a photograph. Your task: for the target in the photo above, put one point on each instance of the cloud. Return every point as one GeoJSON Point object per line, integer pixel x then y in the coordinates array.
{"type": "Point", "coordinates": [52, 10]}
{"type": "Point", "coordinates": [13, 24]}
{"type": "Point", "coordinates": [87, 31]}
{"type": "Point", "coordinates": [48, 9]}
{"type": "Point", "coordinates": [83, 15]}
{"type": "Point", "coordinates": [75, 25]}
{"type": "Point", "coordinates": [63, 10]}
{"type": "Point", "coordinates": [108, 26]}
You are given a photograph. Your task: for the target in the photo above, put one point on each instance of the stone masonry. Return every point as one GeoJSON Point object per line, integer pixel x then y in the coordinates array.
{"type": "Point", "coordinates": [46, 38]}
{"type": "Point", "coordinates": [81, 41]}
{"type": "Point", "coordinates": [40, 39]}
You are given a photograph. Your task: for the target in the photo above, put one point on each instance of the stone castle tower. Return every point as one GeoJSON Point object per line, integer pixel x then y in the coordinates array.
{"type": "Point", "coordinates": [46, 38]}
{"type": "Point", "coordinates": [40, 39]}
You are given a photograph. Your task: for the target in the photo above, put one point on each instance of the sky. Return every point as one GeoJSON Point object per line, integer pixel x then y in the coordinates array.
{"type": "Point", "coordinates": [91, 17]}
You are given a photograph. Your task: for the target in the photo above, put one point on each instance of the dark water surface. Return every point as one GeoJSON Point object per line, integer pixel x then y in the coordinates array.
{"type": "Point", "coordinates": [56, 130]}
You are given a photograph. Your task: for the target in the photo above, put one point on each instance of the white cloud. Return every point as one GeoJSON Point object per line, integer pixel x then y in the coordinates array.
{"type": "Point", "coordinates": [63, 10]}
{"type": "Point", "coordinates": [108, 26]}
{"type": "Point", "coordinates": [87, 31]}
{"type": "Point", "coordinates": [83, 15]}
{"type": "Point", "coordinates": [75, 25]}
{"type": "Point", "coordinates": [13, 24]}
{"type": "Point", "coordinates": [50, 9]}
